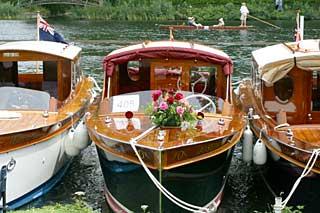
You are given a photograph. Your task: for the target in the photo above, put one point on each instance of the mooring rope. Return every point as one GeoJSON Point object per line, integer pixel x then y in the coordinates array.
{"type": "Point", "coordinates": [162, 189]}
{"type": "Point", "coordinates": [311, 162]}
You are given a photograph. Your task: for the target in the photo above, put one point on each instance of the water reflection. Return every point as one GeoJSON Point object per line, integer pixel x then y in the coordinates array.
{"type": "Point", "coordinates": [246, 190]}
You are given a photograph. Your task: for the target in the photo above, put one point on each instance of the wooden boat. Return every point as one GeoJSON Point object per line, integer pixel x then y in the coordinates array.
{"type": "Point", "coordinates": [135, 155]}
{"type": "Point", "coordinates": [43, 97]}
{"type": "Point", "coordinates": [284, 92]}
{"type": "Point", "coordinates": [187, 27]}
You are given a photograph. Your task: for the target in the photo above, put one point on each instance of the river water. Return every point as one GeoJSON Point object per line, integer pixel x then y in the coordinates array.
{"type": "Point", "coordinates": [249, 188]}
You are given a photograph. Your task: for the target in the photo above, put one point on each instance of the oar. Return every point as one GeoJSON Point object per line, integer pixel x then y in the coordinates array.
{"type": "Point", "coordinates": [265, 22]}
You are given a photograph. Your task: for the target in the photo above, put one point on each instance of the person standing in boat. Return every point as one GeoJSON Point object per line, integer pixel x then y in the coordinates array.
{"type": "Point", "coordinates": [192, 22]}
{"type": "Point", "coordinates": [244, 14]}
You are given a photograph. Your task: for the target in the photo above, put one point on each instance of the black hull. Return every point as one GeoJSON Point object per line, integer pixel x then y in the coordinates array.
{"type": "Point", "coordinates": [281, 176]}
{"type": "Point", "coordinates": [129, 187]}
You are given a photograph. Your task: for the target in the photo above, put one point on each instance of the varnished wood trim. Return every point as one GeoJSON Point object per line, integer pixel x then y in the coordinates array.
{"type": "Point", "coordinates": [286, 157]}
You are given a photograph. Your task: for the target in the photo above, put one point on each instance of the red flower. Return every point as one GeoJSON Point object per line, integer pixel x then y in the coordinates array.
{"type": "Point", "coordinates": [171, 92]}
{"type": "Point", "coordinates": [129, 114]}
{"type": "Point", "coordinates": [170, 100]}
{"type": "Point", "coordinates": [178, 96]}
{"type": "Point", "coordinates": [156, 94]}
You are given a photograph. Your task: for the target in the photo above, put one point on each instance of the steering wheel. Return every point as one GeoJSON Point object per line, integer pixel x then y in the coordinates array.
{"type": "Point", "coordinates": [205, 97]}
{"type": "Point", "coordinates": [202, 78]}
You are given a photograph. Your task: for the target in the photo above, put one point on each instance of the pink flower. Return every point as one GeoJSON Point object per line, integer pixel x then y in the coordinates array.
{"type": "Point", "coordinates": [178, 96]}
{"type": "Point", "coordinates": [156, 94]}
{"type": "Point", "coordinates": [184, 102]}
{"type": "Point", "coordinates": [163, 106]}
{"type": "Point", "coordinates": [180, 110]}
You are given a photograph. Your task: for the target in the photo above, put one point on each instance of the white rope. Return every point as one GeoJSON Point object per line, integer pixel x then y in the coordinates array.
{"type": "Point", "coordinates": [162, 189]}
{"type": "Point", "coordinates": [280, 126]}
{"type": "Point", "coordinates": [96, 86]}
{"type": "Point", "coordinates": [306, 171]}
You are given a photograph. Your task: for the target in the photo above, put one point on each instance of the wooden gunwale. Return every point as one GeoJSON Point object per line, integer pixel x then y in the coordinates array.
{"type": "Point", "coordinates": [284, 156]}
{"type": "Point", "coordinates": [236, 137]}
{"type": "Point", "coordinates": [168, 148]}
{"type": "Point", "coordinates": [140, 114]}
{"type": "Point", "coordinates": [67, 121]}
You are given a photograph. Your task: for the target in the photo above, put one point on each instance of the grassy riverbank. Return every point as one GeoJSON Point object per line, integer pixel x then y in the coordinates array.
{"type": "Point", "coordinates": [78, 206]}
{"type": "Point", "coordinates": [160, 10]}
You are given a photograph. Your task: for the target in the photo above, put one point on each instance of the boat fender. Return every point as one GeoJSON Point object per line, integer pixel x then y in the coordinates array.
{"type": "Point", "coordinates": [55, 127]}
{"type": "Point", "coordinates": [69, 144]}
{"type": "Point", "coordinates": [259, 153]}
{"type": "Point", "coordinates": [275, 145]}
{"type": "Point", "coordinates": [247, 145]}
{"type": "Point", "coordinates": [81, 137]}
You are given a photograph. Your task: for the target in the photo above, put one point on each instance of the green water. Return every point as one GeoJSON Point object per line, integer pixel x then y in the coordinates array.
{"type": "Point", "coordinates": [246, 191]}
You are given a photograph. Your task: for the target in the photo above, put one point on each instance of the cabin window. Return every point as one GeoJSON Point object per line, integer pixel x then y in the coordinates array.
{"type": "Point", "coordinates": [8, 73]}
{"type": "Point", "coordinates": [167, 77]}
{"type": "Point", "coordinates": [133, 76]}
{"type": "Point", "coordinates": [36, 75]}
{"type": "Point", "coordinates": [283, 89]}
{"type": "Point", "coordinates": [316, 91]}
{"type": "Point", "coordinates": [203, 79]}
{"type": "Point", "coordinates": [133, 68]}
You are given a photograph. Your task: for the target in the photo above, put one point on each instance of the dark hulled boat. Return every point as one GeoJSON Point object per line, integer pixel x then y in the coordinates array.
{"type": "Point", "coordinates": [138, 158]}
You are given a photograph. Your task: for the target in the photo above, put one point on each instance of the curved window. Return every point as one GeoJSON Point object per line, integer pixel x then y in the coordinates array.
{"type": "Point", "coordinates": [283, 89]}
{"type": "Point", "coordinates": [133, 70]}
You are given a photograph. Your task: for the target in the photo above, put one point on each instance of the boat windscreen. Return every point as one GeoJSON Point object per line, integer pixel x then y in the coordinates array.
{"type": "Point", "coordinates": [21, 98]}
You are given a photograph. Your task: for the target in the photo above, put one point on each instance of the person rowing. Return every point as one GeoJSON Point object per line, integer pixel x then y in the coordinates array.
{"type": "Point", "coordinates": [244, 14]}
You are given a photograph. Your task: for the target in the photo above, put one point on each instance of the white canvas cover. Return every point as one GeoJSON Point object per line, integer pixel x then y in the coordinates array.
{"type": "Point", "coordinates": [274, 62]}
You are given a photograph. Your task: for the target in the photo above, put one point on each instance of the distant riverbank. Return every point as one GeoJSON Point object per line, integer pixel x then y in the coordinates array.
{"type": "Point", "coordinates": [149, 10]}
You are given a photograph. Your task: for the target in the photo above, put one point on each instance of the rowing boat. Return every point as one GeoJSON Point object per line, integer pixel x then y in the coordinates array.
{"type": "Point", "coordinates": [186, 27]}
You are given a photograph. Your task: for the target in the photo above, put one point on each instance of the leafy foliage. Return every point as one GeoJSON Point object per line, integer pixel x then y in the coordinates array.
{"type": "Point", "coordinates": [288, 209]}
{"type": "Point", "coordinates": [160, 10]}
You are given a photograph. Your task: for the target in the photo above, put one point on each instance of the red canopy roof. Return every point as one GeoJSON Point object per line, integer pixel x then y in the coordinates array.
{"type": "Point", "coordinates": [186, 52]}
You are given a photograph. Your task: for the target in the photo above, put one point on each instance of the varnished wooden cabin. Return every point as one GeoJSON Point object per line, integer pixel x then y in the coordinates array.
{"type": "Point", "coordinates": [194, 163]}
{"type": "Point", "coordinates": [43, 96]}
{"type": "Point", "coordinates": [284, 92]}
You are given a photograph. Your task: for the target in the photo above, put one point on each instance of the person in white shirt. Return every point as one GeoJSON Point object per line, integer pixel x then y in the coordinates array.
{"type": "Point", "coordinates": [220, 24]}
{"type": "Point", "coordinates": [244, 14]}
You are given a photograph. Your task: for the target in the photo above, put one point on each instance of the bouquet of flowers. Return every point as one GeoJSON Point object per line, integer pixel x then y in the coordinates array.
{"type": "Point", "coordinates": [170, 108]}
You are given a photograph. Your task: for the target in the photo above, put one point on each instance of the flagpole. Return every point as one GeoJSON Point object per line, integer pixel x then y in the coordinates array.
{"type": "Point", "coordinates": [38, 23]}
{"type": "Point", "coordinates": [38, 37]}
